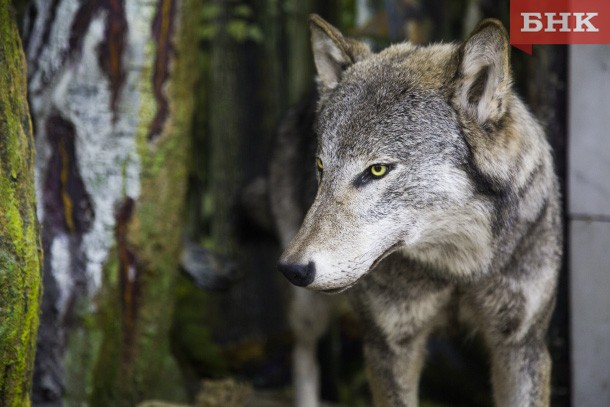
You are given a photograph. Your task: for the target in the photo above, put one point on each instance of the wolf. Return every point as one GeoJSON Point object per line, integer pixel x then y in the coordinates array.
{"type": "Point", "coordinates": [436, 201]}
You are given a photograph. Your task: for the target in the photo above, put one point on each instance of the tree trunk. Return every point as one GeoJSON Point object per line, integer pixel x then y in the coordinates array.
{"type": "Point", "coordinates": [20, 254]}
{"type": "Point", "coordinates": [235, 150]}
{"type": "Point", "coordinates": [111, 92]}
{"type": "Point", "coordinates": [300, 60]}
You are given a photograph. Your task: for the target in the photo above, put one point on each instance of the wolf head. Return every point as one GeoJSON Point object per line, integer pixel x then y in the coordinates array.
{"type": "Point", "coordinates": [393, 159]}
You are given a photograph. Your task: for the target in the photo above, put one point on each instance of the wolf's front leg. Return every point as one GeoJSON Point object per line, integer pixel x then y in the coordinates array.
{"type": "Point", "coordinates": [398, 314]}
{"type": "Point", "coordinates": [521, 374]}
{"type": "Point", "coordinates": [394, 371]}
{"type": "Point", "coordinates": [513, 313]}
{"type": "Point", "coordinates": [309, 316]}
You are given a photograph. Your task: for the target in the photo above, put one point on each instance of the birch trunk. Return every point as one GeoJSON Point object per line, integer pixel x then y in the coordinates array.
{"type": "Point", "coordinates": [20, 254]}
{"type": "Point", "coordinates": [110, 84]}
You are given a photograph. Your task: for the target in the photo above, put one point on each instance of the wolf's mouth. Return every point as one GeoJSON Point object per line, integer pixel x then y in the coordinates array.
{"type": "Point", "coordinates": [332, 291]}
{"type": "Point", "coordinates": [390, 250]}
{"type": "Point", "coordinates": [385, 254]}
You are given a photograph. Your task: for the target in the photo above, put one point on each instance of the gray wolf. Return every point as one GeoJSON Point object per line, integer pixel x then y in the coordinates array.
{"type": "Point", "coordinates": [436, 201]}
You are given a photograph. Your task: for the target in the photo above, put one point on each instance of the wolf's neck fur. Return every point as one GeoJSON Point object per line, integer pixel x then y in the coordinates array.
{"type": "Point", "coordinates": [464, 243]}
{"type": "Point", "coordinates": [459, 244]}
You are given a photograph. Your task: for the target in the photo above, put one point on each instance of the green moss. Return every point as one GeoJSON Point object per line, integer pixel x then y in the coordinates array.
{"type": "Point", "coordinates": [157, 227]}
{"type": "Point", "coordinates": [20, 257]}
{"type": "Point", "coordinates": [192, 333]}
{"type": "Point", "coordinates": [82, 352]}
{"type": "Point", "coordinates": [107, 387]}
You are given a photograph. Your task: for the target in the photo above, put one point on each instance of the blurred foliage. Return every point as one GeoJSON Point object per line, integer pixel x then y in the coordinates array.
{"type": "Point", "coordinates": [191, 335]}
{"type": "Point", "coordinates": [239, 23]}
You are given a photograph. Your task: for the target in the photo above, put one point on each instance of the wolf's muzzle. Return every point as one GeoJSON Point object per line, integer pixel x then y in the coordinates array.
{"type": "Point", "coordinates": [298, 274]}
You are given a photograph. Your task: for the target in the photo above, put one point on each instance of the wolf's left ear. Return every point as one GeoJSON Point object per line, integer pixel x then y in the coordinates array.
{"type": "Point", "coordinates": [484, 72]}
{"type": "Point", "coordinates": [332, 52]}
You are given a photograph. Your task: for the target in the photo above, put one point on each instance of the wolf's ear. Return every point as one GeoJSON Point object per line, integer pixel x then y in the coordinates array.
{"type": "Point", "coordinates": [332, 52]}
{"type": "Point", "coordinates": [484, 72]}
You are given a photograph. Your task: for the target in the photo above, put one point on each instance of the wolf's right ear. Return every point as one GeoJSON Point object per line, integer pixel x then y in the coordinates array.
{"type": "Point", "coordinates": [484, 72]}
{"type": "Point", "coordinates": [333, 53]}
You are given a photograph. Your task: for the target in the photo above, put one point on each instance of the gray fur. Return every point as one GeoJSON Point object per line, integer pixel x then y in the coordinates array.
{"type": "Point", "coordinates": [467, 217]}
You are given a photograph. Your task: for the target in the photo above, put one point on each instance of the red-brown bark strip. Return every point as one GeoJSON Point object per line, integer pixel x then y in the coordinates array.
{"type": "Point", "coordinates": [128, 277]}
{"type": "Point", "coordinates": [46, 33]}
{"type": "Point", "coordinates": [163, 27]}
{"type": "Point", "coordinates": [67, 204]}
{"type": "Point", "coordinates": [80, 25]}
{"type": "Point", "coordinates": [110, 52]}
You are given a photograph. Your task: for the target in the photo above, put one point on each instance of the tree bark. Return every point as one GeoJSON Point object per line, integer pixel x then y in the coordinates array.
{"type": "Point", "coordinates": [300, 60]}
{"type": "Point", "coordinates": [20, 255]}
{"type": "Point", "coordinates": [111, 92]}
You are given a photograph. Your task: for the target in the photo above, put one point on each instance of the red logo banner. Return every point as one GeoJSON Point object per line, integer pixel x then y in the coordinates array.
{"type": "Point", "coordinates": [559, 22]}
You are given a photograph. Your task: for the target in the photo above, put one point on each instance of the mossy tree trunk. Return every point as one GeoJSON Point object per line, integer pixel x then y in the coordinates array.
{"type": "Point", "coordinates": [20, 255]}
{"type": "Point", "coordinates": [235, 154]}
{"type": "Point", "coordinates": [111, 92]}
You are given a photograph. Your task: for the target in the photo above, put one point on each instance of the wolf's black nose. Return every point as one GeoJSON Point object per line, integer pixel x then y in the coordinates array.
{"type": "Point", "coordinates": [298, 274]}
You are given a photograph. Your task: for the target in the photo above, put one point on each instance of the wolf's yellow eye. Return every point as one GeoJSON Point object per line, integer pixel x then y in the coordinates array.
{"type": "Point", "coordinates": [319, 164]}
{"type": "Point", "coordinates": [379, 170]}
